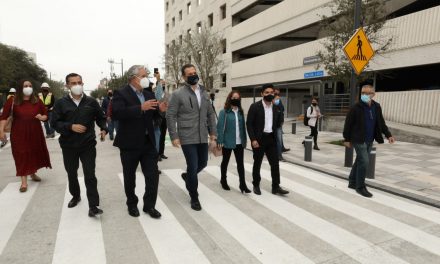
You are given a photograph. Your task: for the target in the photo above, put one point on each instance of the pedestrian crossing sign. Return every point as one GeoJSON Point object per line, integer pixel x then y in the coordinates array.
{"type": "Point", "coordinates": [358, 50]}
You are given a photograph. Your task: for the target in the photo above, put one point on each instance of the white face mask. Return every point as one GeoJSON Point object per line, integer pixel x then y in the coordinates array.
{"type": "Point", "coordinates": [27, 91]}
{"type": "Point", "coordinates": [145, 82]}
{"type": "Point", "coordinates": [77, 89]}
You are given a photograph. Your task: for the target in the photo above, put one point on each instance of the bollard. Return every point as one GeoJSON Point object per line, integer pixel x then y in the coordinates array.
{"type": "Point", "coordinates": [371, 164]}
{"type": "Point", "coordinates": [348, 157]}
{"type": "Point", "coordinates": [294, 128]}
{"type": "Point", "coordinates": [308, 148]}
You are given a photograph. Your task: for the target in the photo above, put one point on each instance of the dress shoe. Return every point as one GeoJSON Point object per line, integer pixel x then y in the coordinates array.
{"type": "Point", "coordinates": [152, 212]}
{"type": "Point", "coordinates": [316, 147]}
{"type": "Point", "coordinates": [281, 159]}
{"type": "Point", "coordinates": [364, 192]}
{"type": "Point", "coordinates": [73, 202]}
{"type": "Point", "coordinates": [257, 190]}
{"type": "Point", "coordinates": [35, 178]}
{"type": "Point", "coordinates": [133, 211]}
{"type": "Point", "coordinates": [94, 211]}
{"type": "Point", "coordinates": [184, 176]}
{"type": "Point", "coordinates": [23, 188]}
{"type": "Point", "coordinates": [225, 185]}
{"type": "Point", "coordinates": [195, 204]}
{"type": "Point", "coordinates": [163, 156]}
{"type": "Point", "coordinates": [286, 149]}
{"type": "Point", "coordinates": [279, 190]}
{"type": "Point", "coordinates": [159, 172]}
{"type": "Point", "coordinates": [352, 186]}
{"type": "Point", "coordinates": [160, 158]}
{"type": "Point", "coordinates": [244, 189]}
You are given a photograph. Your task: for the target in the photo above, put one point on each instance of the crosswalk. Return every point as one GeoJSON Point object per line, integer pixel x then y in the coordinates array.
{"type": "Point", "coordinates": [320, 221]}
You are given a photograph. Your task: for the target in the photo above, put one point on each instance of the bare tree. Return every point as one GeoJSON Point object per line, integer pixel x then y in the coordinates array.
{"type": "Point", "coordinates": [205, 48]}
{"type": "Point", "coordinates": [174, 59]}
{"type": "Point", "coordinates": [339, 27]}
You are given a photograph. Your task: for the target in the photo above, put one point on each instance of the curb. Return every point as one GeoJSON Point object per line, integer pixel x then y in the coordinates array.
{"type": "Point", "coordinates": [382, 187]}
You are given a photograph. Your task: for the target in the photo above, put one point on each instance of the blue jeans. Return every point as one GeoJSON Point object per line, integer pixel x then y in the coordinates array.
{"type": "Point", "coordinates": [112, 127]}
{"type": "Point", "coordinates": [49, 129]}
{"type": "Point", "coordinates": [157, 138]}
{"type": "Point", "coordinates": [196, 156]}
{"type": "Point", "coordinates": [360, 166]}
{"type": "Point", "coordinates": [279, 135]}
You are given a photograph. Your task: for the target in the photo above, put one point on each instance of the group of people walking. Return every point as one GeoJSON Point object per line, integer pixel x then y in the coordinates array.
{"type": "Point", "coordinates": [134, 110]}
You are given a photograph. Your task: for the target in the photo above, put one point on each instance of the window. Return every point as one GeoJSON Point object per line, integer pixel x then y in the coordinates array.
{"type": "Point", "coordinates": [199, 27]}
{"type": "Point", "coordinates": [174, 21]}
{"type": "Point", "coordinates": [180, 39]}
{"type": "Point", "coordinates": [211, 20]}
{"type": "Point", "coordinates": [168, 27]}
{"type": "Point", "coordinates": [188, 8]}
{"type": "Point", "coordinates": [224, 46]}
{"type": "Point", "coordinates": [180, 15]}
{"type": "Point", "coordinates": [189, 33]}
{"type": "Point", "coordinates": [166, 6]}
{"type": "Point", "coordinates": [223, 77]}
{"type": "Point", "coordinates": [223, 12]}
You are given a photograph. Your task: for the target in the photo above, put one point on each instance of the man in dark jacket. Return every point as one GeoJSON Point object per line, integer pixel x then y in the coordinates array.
{"type": "Point", "coordinates": [262, 121]}
{"type": "Point", "coordinates": [135, 108]}
{"type": "Point", "coordinates": [112, 124]}
{"type": "Point", "coordinates": [364, 124]}
{"type": "Point", "coordinates": [73, 117]}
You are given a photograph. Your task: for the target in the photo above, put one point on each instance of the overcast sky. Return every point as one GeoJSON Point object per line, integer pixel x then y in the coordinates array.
{"type": "Point", "coordinates": [80, 36]}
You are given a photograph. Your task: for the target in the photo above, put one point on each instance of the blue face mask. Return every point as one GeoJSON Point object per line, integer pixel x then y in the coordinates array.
{"type": "Point", "coordinates": [277, 101]}
{"type": "Point", "coordinates": [365, 98]}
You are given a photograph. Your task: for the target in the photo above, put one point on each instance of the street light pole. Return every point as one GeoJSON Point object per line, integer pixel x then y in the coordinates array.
{"type": "Point", "coordinates": [354, 91]}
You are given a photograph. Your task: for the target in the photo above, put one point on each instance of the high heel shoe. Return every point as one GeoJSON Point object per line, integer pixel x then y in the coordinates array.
{"type": "Point", "coordinates": [225, 185]}
{"type": "Point", "coordinates": [244, 189]}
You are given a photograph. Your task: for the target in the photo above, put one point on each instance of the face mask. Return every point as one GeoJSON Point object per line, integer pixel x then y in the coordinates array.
{"type": "Point", "coordinates": [235, 102]}
{"type": "Point", "coordinates": [365, 98]}
{"type": "Point", "coordinates": [145, 83]}
{"type": "Point", "coordinates": [45, 91]}
{"type": "Point", "coordinates": [77, 89]}
{"type": "Point", "coordinates": [27, 91]}
{"type": "Point", "coordinates": [314, 104]}
{"type": "Point", "coordinates": [269, 98]}
{"type": "Point", "coordinates": [277, 101]}
{"type": "Point", "coordinates": [193, 79]}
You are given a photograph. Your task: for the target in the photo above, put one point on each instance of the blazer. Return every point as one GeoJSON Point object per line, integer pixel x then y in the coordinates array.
{"type": "Point", "coordinates": [256, 118]}
{"type": "Point", "coordinates": [187, 121]}
{"type": "Point", "coordinates": [354, 127]}
{"type": "Point", "coordinates": [227, 134]}
{"type": "Point", "coordinates": [133, 122]}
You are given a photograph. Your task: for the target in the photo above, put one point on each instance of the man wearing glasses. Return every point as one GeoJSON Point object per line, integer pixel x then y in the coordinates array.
{"type": "Point", "coordinates": [364, 124]}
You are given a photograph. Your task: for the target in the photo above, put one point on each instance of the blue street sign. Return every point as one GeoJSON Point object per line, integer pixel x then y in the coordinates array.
{"type": "Point", "coordinates": [313, 74]}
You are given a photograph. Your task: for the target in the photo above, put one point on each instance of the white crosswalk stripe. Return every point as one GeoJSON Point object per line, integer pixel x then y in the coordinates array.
{"type": "Point", "coordinates": [417, 237]}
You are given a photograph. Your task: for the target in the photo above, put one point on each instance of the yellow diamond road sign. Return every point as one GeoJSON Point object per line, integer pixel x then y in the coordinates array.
{"type": "Point", "coordinates": [358, 51]}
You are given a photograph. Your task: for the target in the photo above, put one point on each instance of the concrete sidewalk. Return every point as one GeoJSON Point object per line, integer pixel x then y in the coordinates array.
{"type": "Point", "coordinates": [407, 169]}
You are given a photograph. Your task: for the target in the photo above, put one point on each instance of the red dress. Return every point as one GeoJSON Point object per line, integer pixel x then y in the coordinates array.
{"type": "Point", "coordinates": [27, 139]}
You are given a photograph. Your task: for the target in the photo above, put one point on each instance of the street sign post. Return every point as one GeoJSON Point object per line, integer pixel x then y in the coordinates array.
{"type": "Point", "coordinates": [358, 50]}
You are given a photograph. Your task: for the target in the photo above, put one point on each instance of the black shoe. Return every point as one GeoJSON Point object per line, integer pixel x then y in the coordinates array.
{"type": "Point", "coordinates": [184, 176]}
{"type": "Point", "coordinates": [93, 211]}
{"type": "Point", "coordinates": [153, 213]}
{"type": "Point", "coordinates": [111, 139]}
{"type": "Point", "coordinates": [73, 202]}
{"type": "Point", "coordinates": [257, 190]}
{"type": "Point", "coordinates": [244, 189]}
{"type": "Point", "coordinates": [163, 156]}
{"type": "Point", "coordinates": [133, 211]}
{"type": "Point", "coordinates": [159, 172]}
{"type": "Point", "coordinates": [364, 192]}
{"type": "Point", "coordinates": [160, 158]}
{"type": "Point", "coordinates": [304, 143]}
{"type": "Point", "coordinates": [286, 149]}
{"type": "Point", "coordinates": [195, 204]}
{"type": "Point", "coordinates": [316, 148]}
{"type": "Point", "coordinates": [352, 186]}
{"type": "Point", "coordinates": [225, 185]}
{"type": "Point", "coordinates": [279, 190]}
{"type": "Point", "coordinates": [281, 159]}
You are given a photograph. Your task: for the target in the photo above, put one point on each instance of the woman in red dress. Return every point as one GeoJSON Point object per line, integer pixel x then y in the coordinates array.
{"type": "Point", "coordinates": [27, 139]}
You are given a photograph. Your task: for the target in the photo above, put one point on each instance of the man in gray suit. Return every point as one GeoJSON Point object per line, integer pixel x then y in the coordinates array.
{"type": "Point", "coordinates": [189, 107]}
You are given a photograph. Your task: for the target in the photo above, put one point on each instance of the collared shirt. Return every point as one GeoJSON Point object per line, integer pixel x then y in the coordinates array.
{"type": "Point", "coordinates": [76, 101]}
{"type": "Point", "coordinates": [139, 94]}
{"type": "Point", "coordinates": [268, 118]}
{"type": "Point", "coordinates": [370, 121]}
{"type": "Point", "coordinates": [237, 127]}
{"type": "Point", "coordinates": [198, 94]}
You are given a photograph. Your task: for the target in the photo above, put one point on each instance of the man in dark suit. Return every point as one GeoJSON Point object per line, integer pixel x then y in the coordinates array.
{"type": "Point", "coordinates": [262, 121]}
{"type": "Point", "coordinates": [135, 108]}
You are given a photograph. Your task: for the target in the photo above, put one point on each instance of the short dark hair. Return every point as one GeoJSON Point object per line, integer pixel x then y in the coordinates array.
{"type": "Point", "coordinates": [72, 75]}
{"type": "Point", "coordinates": [267, 85]}
{"type": "Point", "coordinates": [186, 66]}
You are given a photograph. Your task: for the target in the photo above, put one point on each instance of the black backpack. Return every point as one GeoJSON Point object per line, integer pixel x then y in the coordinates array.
{"type": "Point", "coordinates": [306, 119]}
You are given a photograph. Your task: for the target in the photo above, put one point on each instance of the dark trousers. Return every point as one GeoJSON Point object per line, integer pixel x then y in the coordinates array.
{"type": "Point", "coordinates": [267, 146]}
{"type": "Point", "coordinates": [163, 132]}
{"type": "Point", "coordinates": [112, 127]}
{"type": "Point", "coordinates": [196, 156]}
{"type": "Point", "coordinates": [238, 153]}
{"type": "Point", "coordinates": [360, 166]}
{"type": "Point", "coordinates": [314, 133]}
{"type": "Point", "coordinates": [87, 155]}
{"type": "Point", "coordinates": [147, 157]}
{"type": "Point", "coordinates": [49, 129]}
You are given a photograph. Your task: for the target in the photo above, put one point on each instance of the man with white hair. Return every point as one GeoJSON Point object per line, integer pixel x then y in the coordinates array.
{"type": "Point", "coordinates": [135, 108]}
{"type": "Point", "coordinates": [364, 124]}
{"type": "Point", "coordinates": [48, 100]}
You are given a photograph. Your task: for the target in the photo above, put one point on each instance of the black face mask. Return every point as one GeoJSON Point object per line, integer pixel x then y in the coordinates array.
{"type": "Point", "coordinates": [110, 94]}
{"type": "Point", "coordinates": [235, 102]}
{"type": "Point", "coordinates": [269, 98]}
{"type": "Point", "coordinates": [193, 79]}
{"type": "Point", "coordinates": [314, 104]}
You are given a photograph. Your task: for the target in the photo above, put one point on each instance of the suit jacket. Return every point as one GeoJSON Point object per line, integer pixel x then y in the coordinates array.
{"type": "Point", "coordinates": [133, 122]}
{"type": "Point", "coordinates": [256, 118]}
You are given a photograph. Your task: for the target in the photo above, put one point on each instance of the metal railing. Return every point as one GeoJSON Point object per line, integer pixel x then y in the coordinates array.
{"type": "Point", "coordinates": [335, 104]}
